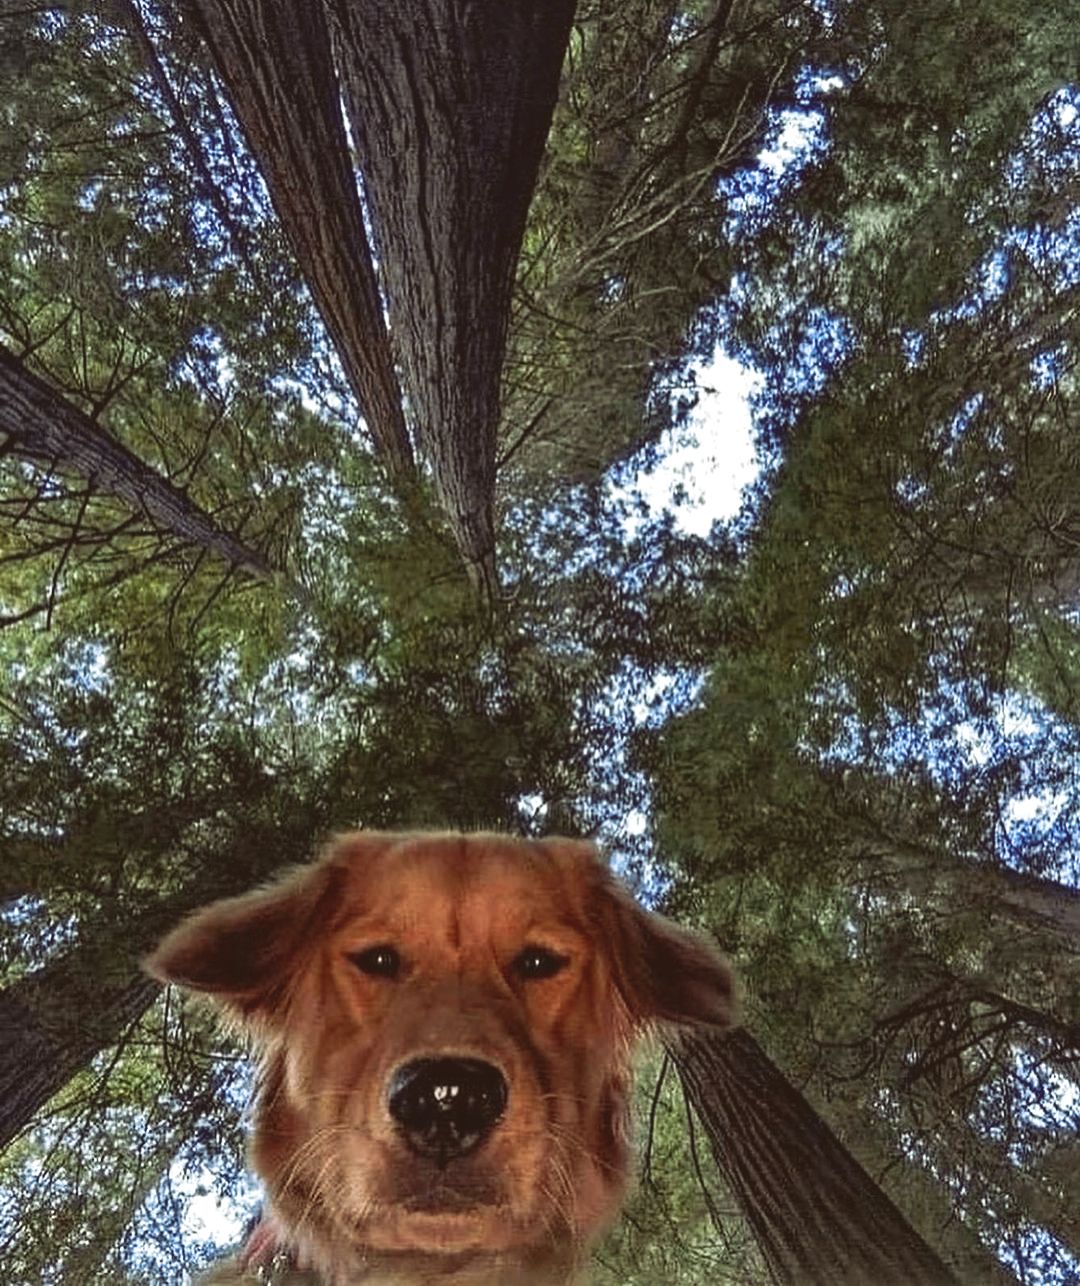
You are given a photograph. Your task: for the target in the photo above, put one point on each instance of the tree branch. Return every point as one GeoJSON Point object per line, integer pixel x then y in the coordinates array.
{"type": "Point", "coordinates": [42, 425]}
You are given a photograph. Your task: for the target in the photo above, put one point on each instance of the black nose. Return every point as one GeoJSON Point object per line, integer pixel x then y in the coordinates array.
{"type": "Point", "coordinates": [445, 1106]}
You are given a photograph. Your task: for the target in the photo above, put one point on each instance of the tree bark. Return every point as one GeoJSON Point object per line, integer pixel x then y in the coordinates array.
{"type": "Point", "coordinates": [274, 57]}
{"type": "Point", "coordinates": [450, 106]}
{"type": "Point", "coordinates": [53, 1021]}
{"type": "Point", "coordinates": [44, 427]}
{"type": "Point", "coordinates": [1035, 903]}
{"type": "Point", "coordinates": [1046, 903]}
{"type": "Point", "coordinates": [818, 1217]}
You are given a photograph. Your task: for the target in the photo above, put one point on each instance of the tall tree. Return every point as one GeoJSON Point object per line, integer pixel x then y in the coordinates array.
{"type": "Point", "coordinates": [817, 1215]}
{"type": "Point", "coordinates": [449, 112]}
{"type": "Point", "coordinates": [275, 60]}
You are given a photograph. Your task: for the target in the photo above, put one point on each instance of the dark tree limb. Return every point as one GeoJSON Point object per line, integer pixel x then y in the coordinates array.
{"type": "Point", "coordinates": [274, 57]}
{"type": "Point", "coordinates": [42, 426]}
{"type": "Point", "coordinates": [819, 1218]}
{"type": "Point", "coordinates": [450, 106]}
{"type": "Point", "coordinates": [52, 1022]}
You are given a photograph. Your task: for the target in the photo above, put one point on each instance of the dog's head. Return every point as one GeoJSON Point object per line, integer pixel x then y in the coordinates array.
{"type": "Point", "coordinates": [444, 1023]}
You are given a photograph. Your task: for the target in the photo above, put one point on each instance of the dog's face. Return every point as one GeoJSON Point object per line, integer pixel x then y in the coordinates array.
{"type": "Point", "coordinates": [444, 1023]}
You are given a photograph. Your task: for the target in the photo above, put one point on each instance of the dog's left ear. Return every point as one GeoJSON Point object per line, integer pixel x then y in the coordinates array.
{"type": "Point", "coordinates": [664, 973]}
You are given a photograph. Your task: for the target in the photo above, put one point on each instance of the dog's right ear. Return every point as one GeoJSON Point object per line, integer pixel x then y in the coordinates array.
{"type": "Point", "coordinates": [239, 951]}
{"type": "Point", "coordinates": [243, 952]}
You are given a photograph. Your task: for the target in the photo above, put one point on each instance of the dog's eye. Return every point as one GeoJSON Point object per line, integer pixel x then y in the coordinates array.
{"type": "Point", "coordinates": [539, 962]}
{"type": "Point", "coordinates": [381, 961]}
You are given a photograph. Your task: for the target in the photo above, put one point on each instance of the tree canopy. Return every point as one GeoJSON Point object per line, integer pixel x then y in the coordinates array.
{"type": "Point", "coordinates": [334, 339]}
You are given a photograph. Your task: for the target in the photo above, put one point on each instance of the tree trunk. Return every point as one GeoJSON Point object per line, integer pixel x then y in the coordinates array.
{"type": "Point", "coordinates": [274, 57]}
{"type": "Point", "coordinates": [818, 1217]}
{"type": "Point", "coordinates": [1025, 899]}
{"type": "Point", "coordinates": [1046, 903]}
{"type": "Point", "coordinates": [53, 1021]}
{"type": "Point", "coordinates": [450, 106]}
{"type": "Point", "coordinates": [44, 427]}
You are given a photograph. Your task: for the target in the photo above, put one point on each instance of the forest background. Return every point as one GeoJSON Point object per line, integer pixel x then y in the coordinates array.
{"type": "Point", "coordinates": [307, 521]}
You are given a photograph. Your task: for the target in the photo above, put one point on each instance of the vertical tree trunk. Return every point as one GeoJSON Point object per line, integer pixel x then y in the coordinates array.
{"type": "Point", "coordinates": [450, 105]}
{"type": "Point", "coordinates": [819, 1218]}
{"type": "Point", "coordinates": [274, 57]}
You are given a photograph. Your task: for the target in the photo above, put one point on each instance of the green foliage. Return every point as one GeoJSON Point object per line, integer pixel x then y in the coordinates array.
{"type": "Point", "coordinates": [893, 733]}
{"type": "Point", "coordinates": [679, 1226]}
{"type": "Point", "coordinates": [160, 1119]}
{"type": "Point", "coordinates": [827, 714]}
{"type": "Point", "coordinates": [659, 101]}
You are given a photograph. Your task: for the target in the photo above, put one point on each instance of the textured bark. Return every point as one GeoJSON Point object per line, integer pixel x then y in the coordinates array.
{"type": "Point", "coordinates": [274, 57]}
{"type": "Point", "coordinates": [1043, 903]}
{"type": "Point", "coordinates": [53, 1021]}
{"type": "Point", "coordinates": [450, 105]}
{"type": "Point", "coordinates": [818, 1217]}
{"type": "Point", "coordinates": [1027, 900]}
{"type": "Point", "coordinates": [42, 426]}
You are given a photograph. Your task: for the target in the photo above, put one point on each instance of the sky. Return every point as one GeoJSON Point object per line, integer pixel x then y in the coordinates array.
{"type": "Point", "coordinates": [704, 466]}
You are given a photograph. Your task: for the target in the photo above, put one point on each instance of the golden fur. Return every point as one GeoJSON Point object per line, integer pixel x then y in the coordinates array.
{"type": "Point", "coordinates": [348, 1195]}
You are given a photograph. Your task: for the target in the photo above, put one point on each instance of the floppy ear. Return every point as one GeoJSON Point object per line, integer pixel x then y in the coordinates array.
{"type": "Point", "coordinates": [663, 973]}
{"type": "Point", "coordinates": [243, 951]}
{"type": "Point", "coordinates": [233, 948]}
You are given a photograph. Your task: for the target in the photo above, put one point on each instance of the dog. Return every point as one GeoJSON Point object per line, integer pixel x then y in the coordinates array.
{"type": "Point", "coordinates": [443, 1024]}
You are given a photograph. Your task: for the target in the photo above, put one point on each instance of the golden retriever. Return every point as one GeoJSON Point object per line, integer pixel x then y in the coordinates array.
{"type": "Point", "coordinates": [443, 1025]}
